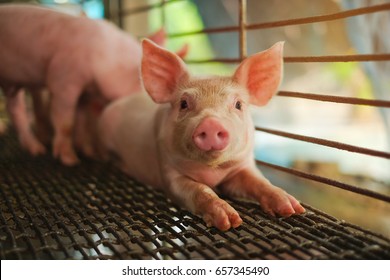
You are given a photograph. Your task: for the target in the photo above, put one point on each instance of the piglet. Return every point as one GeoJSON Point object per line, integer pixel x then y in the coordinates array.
{"type": "Point", "coordinates": [44, 49]}
{"type": "Point", "coordinates": [194, 136]}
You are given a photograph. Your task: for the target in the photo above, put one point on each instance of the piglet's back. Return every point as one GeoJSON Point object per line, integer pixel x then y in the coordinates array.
{"type": "Point", "coordinates": [37, 26]}
{"type": "Point", "coordinates": [29, 37]}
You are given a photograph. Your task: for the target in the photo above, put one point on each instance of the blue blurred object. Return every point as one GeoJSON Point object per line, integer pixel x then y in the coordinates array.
{"type": "Point", "coordinates": [92, 8]}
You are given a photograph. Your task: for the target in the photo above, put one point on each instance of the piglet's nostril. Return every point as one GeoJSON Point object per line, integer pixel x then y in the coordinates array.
{"type": "Point", "coordinates": [211, 135]}
{"type": "Point", "coordinates": [222, 134]}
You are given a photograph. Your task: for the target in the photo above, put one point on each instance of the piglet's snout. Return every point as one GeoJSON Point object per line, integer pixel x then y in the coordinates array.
{"type": "Point", "coordinates": [210, 135]}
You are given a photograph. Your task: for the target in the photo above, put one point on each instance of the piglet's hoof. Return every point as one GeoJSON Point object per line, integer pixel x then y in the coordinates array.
{"type": "Point", "coordinates": [221, 215]}
{"type": "Point", "coordinates": [33, 146]}
{"type": "Point", "coordinates": [66, 155]}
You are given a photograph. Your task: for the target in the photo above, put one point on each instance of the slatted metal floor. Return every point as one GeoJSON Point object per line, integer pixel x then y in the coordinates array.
{"type": "Point", "coordinates": [93, 211]}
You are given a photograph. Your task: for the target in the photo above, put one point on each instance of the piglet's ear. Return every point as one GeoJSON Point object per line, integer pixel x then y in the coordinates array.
{"type": "Point", "coordinates": [261, 74]}
{"type": "Point", "coordinates": [183, 51]}
{"type": "Point", "coordinates": [161, 71]}
{"type": "Point", "coordinates": [160, 37]}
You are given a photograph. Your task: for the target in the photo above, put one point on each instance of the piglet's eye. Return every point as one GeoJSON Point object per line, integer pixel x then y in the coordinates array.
{"type": "Point", "coordinates": [183, 105]}
{"type": "Point", "coordinates": [238, 105]}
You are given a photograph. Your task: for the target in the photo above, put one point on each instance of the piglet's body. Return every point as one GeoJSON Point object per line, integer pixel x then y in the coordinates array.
{"type": "Point", "coordinates": [195, 135]}
{"type": "Point", "coordinates": [68, 55]}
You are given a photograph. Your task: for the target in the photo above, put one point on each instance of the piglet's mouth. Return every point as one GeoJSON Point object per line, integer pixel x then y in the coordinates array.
{"type": "Point", "coordinates": [212, 153]}
{"type": "Point", "coordinates": [216, 159]}
{"type": "Point", "coordinates": [214, 150]}
{"type": "Point", "coordinates": [211, 157]}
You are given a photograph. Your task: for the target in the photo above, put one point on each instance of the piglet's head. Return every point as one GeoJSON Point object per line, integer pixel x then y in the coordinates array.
{"type": "Point", "coordinates": [209, 120]}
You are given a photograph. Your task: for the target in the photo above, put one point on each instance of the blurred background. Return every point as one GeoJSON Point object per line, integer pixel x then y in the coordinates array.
{"type": "Point", "coordinates": [362, 126]}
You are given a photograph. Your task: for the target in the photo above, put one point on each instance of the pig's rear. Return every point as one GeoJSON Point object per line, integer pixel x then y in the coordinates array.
{"type": "Point", "coordinates": [21, 64]}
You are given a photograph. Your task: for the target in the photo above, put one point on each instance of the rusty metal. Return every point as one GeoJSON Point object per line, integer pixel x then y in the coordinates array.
{"type": "Point", "coordinates": [336, 99]}
{"type": "Point", "coordinates": [328, 181]}
{"type": "Point", "coordinates": [242, 30]}
{"type": "Point", "coordinates": [327, 143]}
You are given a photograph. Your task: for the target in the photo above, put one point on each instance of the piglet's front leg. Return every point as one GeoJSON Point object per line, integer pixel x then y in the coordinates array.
{"type": "Point", "coordinates": [201, 200]}
{"type": "Point", "coordinates": [251, 183]}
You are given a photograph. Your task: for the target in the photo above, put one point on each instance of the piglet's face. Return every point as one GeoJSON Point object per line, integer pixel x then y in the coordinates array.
{"type": "Point", "coordinates": [211, 122]}
{"type": "Point", "coordinates": [209, 118]}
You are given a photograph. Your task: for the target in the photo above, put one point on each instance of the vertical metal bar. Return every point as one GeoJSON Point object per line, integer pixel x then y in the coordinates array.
{"type": "Point", "coordinates": [163, 18]}
{"type": "Point", "coordinates": [119, 13]}
{"type": "Point", "coordinates": [242, 32]}
{"type": "Point", "coordinates": [107, 10]}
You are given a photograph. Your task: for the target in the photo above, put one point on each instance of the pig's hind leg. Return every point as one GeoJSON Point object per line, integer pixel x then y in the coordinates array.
{"type": "Point", "coordinates": [250, 183]}
{"type": "Point", "coordinates": [84, 132]}
{"type": "Point", "coordinates": [3, 127]}
{"type": "Point", "coordinates": [202, 200]}
{"type": "Point", "coordinates": [42, 125]}
{"type": "Point", "coordinates": [17, 109]}
{"type": "Point", "coordinates": [63, 110]}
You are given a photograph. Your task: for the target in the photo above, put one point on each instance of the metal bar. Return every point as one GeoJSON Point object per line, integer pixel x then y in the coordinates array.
{"type": "Point", "coordinates": [119, 14]}
{"type": "Point", "coordinates": [107, 10]}
{"type": "Point", "coordinates": [336, 99]}
{"type": "Point", "coordinates": [327, 181]}
{"type": "Point", "coordinates": [328, 143]}
{"type": "Point", "coordinates": [162, 10]}
{"type": "Point", "coordinates": [146, 8]}
{"type": "Point", "coordinates": [322, 18]}
{"type": "Point", "coordinates": [206, 31]}
{"type": "Point", "coordinates": [338, 58]}
{"type": "Point", "coordinates": [242, 33]}
{"type": "Point", "coordinates": [297, 21]}
{"type": "Point", "coordinates": [305, 59]}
